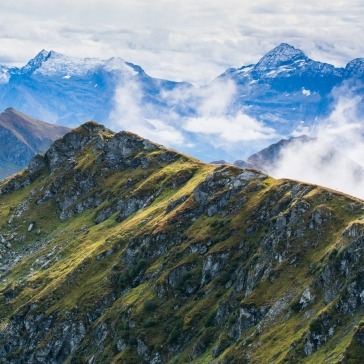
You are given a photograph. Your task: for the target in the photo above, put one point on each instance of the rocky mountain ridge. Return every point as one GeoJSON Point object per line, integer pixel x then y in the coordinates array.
{"type": "Point", "coordinates": [116, 249]}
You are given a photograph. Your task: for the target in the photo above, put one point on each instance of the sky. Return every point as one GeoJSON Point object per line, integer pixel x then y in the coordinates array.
{"type": "Point", "coordinates": [193, 40]}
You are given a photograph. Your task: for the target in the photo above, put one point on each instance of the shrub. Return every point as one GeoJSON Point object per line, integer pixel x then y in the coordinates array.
{"type": "Point", "coordinates": [150, 306]}
{"type": "Point", "coordinates": [150, 322]}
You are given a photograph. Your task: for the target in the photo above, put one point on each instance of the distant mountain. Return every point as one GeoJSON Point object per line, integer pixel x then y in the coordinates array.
{"type": "Point", "coordinates": [285, 90]}
{"type": "Point", "coordinates": [21, 138]}
{"type": "Point", "coordinates": [115, 249]}
{"type": "Point", "coordinates": [70, 91]}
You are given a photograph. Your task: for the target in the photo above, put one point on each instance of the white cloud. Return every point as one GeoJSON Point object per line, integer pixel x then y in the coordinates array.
{"type": "Point", "coordinates": [230, 129]}
{"type": "Point", "coordinates": [335, 158]}
{"type": "Point", "coordinates": [218, 121]}
{"type": "Point", "coordinates": [217, 98]}
{"type": "Point", "coordinates": [128, 114]}
{"type": "Point", "coordinates": [189, 40]}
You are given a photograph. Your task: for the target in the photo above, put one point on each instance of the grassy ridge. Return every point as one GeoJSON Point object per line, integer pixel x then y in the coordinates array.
{"type": "Point", "coordinates": [206, 264]}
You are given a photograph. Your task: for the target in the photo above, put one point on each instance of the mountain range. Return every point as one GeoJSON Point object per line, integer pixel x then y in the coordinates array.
{"type": "Point", "coordinates": [284, 92]}
{"type": "Point", "coordinates": [115, 249]}
{"type": "Point", "coordinates": [286, 87]}
{"type": "Point", "coordinates": [69, 91]}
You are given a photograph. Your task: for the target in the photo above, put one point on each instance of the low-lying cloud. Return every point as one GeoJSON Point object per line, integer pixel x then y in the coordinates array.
{"type": "Point", "coordinates": [334, 158]}
{"type": "Point", "coordinates": [129, 114]}
{"type": "Point", "coordinates": [230, 129]}
{"type": "Point", "coordinates": [210, 129]}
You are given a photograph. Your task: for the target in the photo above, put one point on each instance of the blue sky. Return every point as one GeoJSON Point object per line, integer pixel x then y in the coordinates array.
{"type": "Point", "coordinates": [190, 40]}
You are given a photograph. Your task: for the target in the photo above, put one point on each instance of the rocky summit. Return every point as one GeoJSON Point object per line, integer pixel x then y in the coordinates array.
{"type": "Point", "coordinates": [118, 250]}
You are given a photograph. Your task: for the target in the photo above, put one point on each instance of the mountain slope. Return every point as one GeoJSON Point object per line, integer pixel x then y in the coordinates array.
{"type": "Point", "coordinates": [115, 249]}
{"type": "Point", "coordinates": [21, 138]}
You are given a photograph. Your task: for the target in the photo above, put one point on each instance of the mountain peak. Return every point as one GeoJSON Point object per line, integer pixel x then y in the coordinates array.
{"type": "Point", "coordinates": [42, 53]}
{"type": "Point", "coordinates": [355, 68]}
{"type": "Point", "coordinates": [11, 114]}
{"type": "Point", "coordinates": [116, 147]}
{"type": "Point", "coordinates": [36, 62]}
{"type": "Point", "coordinates": [279, 56]}
{"type": "Point", "coordinates": [9, 110]}
{"type": "Point", "coordinates": [57, 64]}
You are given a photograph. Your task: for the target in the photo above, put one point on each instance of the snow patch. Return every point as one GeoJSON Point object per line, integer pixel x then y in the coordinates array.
{"type": "Point", "coordinates": [306, 92]}
{"type": "Point", "coordinates": [58, 64]}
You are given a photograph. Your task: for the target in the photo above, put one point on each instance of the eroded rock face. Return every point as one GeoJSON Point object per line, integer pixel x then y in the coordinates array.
{"type": "Point", "coordinates": [37, 163]}
{"type": "Point", "coordinates": [124, 145]}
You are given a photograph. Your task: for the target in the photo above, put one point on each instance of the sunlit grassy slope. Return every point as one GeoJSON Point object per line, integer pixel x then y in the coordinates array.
{"type": "Point", "coordinates": [114, 249]}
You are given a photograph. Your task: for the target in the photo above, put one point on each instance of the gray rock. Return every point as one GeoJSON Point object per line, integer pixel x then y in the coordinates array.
{"type": "Point", "coordinates": [37, 163]}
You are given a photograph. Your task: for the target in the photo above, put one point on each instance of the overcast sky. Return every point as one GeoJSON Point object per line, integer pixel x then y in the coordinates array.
{"type": "Point", "coordinates": [190, 40]}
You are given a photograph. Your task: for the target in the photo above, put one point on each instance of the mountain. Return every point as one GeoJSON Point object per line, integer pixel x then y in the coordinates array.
{"type": "Point", "coordinates": [117, 249]}
{"type": "Point", "coordinates": [69, 90]}
{"type": "Point", "coordinates": [21, 138]}
{"type": "Point", "coordinates": [287, 90]}
{"type": "Point", "coordinates": [284, 91]}
{"type": "Point", "coordinates": [268, 158]}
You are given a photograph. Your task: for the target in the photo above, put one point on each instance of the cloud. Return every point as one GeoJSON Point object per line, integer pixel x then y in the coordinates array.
{"type": "Point", "coordinates": [230, 129]}
{"type": "Point", "coordinates": [211, 128]}
{"type": "Point", "coordinates": [129, 114]}
{"type": "Point", "coordinates": [195, 42]}
{"type": "Point", "coordinates": [217, 118]}
{"type": "Point", "coordinates": [335, 157]}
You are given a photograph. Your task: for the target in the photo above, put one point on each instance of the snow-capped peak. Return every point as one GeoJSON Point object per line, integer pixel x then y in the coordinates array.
{"type": "Point", "coordinates": [43, 54]}
{"type": "Point", "coordinates": [281, 55]}
{"type": "Point", "coordinates": [56, 64]}
{"type": "Point", "coordinates": [36, 62]}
